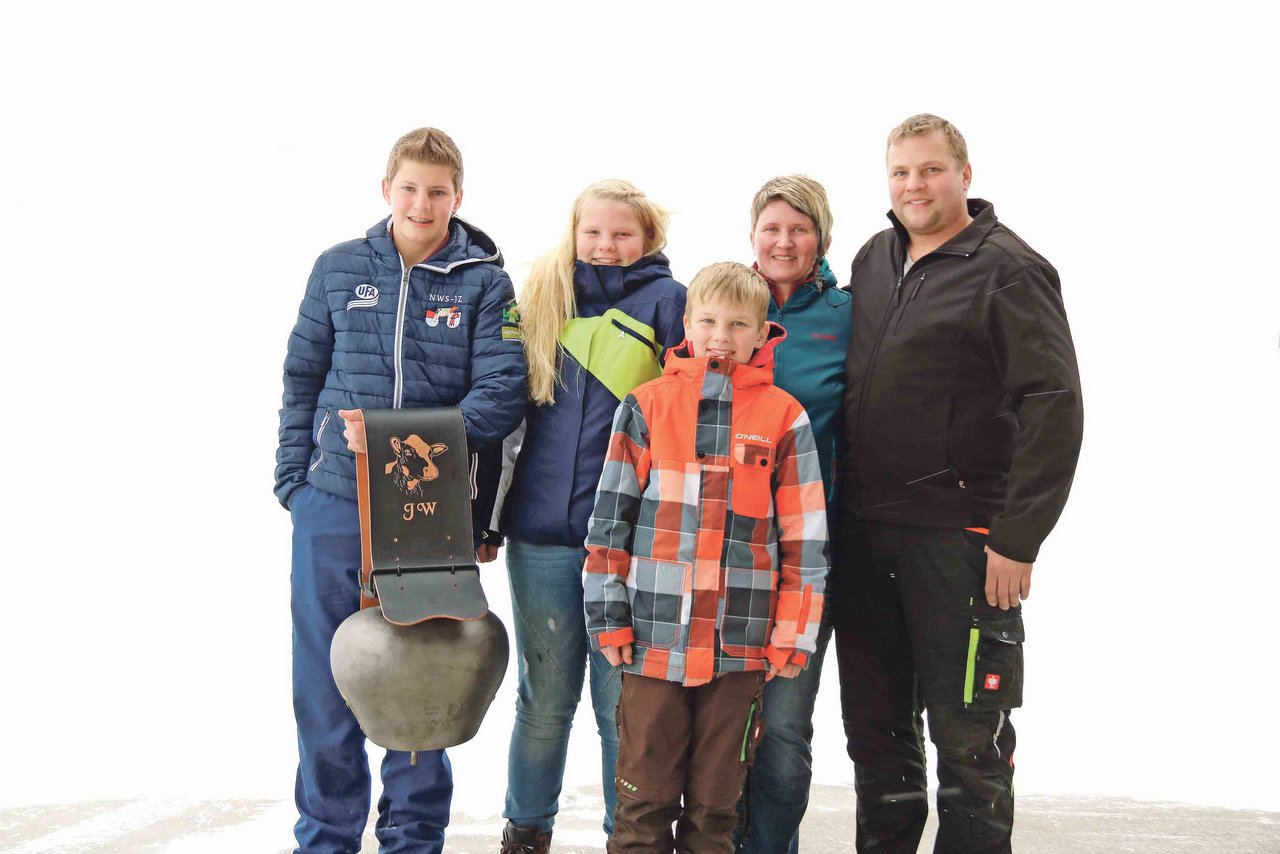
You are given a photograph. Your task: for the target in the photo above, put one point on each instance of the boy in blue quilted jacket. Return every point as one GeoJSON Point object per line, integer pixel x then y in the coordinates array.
{"type": "Point", "coordinates": [417, 313]}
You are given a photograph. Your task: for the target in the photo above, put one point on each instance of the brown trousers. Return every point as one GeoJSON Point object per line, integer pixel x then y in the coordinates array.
{"type": "Point", "coordinates": [697, 742]}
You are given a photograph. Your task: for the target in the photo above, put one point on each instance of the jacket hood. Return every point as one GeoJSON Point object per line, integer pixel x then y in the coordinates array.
{"type": "Point", "coordinates": [600, 283]}
{"type": "Point", "coordinates": [680, 361]}
{"type": "Point", "coordinates": [466, 245]}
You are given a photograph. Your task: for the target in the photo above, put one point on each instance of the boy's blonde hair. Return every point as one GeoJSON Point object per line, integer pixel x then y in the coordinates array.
{"type": "Point", "coordinates": [547, 300]}
{"type": "Point", "coordinates": [926, 123]}
{"type": "Point", "coordinates": [730, 282]}
{"type": "Point", "coordinates": [426, 145]}
{"type": "Point", "coordinates": [804, 195]}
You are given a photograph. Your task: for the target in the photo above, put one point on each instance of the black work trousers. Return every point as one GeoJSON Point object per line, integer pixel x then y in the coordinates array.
{"type": "Point", "coordinates": [915, 635]}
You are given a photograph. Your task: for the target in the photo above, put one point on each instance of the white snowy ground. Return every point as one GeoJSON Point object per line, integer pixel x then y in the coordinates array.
{"type": "Point", "coordinates": [1045, 825]}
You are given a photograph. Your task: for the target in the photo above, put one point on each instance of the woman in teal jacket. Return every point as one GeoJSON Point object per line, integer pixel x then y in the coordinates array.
{"type": "Point", "coordinates": [790, 234]}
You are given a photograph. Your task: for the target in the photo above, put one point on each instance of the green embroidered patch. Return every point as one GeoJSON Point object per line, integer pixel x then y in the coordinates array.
{"type": "Point", "coordinates": [512, 333]}
{"type": "Point", "coordinates": [511, 314]}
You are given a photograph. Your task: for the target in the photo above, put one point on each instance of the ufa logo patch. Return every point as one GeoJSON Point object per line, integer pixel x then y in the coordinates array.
{"type": "Point", "coordinates": [451, 316]}
{"type": "Point", "coordinates": [366, 297]}
{"type": "Point", "coordinates": [992, 682]}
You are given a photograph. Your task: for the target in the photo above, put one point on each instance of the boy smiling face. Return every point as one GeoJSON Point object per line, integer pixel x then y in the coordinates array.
{"type": "Point", "coordinates": [422, 199]}
{"type": "Point", "coordinates": [723, 329]}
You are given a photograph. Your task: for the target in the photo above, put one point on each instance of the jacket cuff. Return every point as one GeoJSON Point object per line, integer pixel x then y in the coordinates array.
{"type": "Point", "coordinates": [617, 637]}
{"type": "Point", "coordinates": [490, 537]}
{"type": "Point", "coordinates": [780, 658]}
{"type": "Point", "coordinates": [286, 499]}
{"type": "Point", "coordinates": [1007, 544]}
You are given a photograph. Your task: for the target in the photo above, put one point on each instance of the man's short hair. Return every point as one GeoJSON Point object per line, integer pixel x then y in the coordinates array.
{"type": "Point", "coordinates": [926, 123]}
{"type": "Point", "coordinates": [804, 195]}
{"type": "Point", "coordinates": [426, 145]}
{"type": "Point", "coordinates": [731, 282]}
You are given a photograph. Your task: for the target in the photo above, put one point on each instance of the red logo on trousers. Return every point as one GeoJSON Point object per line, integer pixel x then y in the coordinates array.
{"type": "Point", "coordinates": [992, 682]}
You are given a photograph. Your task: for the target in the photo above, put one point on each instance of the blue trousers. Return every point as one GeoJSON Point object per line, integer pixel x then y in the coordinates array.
{"type": "Point", "coordinates": [777, 790]}
{"type": "Point", "coordinates": [333, 787]}
{"type": "Point", "coordinates": [552, 653]}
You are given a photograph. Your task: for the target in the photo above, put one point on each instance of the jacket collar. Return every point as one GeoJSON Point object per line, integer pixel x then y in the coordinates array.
{"type": "Point", "coordinates": [595, 283]}
{"type": "Point", "coordinates": [820, 278]}
{"type": "Point", "coordinates": [759, 371]}
{"type": "Point", "coordinates": [967, 241]}
{"type": "Point", "coordinates": [466, 245]}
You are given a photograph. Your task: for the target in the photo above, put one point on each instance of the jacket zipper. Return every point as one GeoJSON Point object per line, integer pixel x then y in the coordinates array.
{"type": "Point", "coordinates": [866, 382]}
{"type": "Point", "coordinates": [324, 422]}
{"type": "Point", "coordinates": [910, 300]}
{"type": "Point", "coordinates": [875, 352]}
{"type": "Point", "coordinates": [633, 334]}
{"type": "Point", "coordinates": [398, 394]}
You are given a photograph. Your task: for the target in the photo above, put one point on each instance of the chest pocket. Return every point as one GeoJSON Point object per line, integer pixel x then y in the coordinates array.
{"type": "Point", "coordinates": [751, 493]}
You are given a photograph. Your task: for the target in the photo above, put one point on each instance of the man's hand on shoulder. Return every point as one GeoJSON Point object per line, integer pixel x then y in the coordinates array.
{"type": "Point", "coordinates": [1008, 581]}
{"type": "Point", "coordinates": [617, 655]}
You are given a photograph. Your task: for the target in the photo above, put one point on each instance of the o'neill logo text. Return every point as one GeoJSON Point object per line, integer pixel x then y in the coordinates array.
{"type": "Point", "coordinates": [753, 437]}
{"type": "Point", "coordinates": [366, 297]}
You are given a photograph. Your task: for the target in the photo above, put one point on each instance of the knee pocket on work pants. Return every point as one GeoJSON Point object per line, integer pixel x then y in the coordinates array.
{"type": "Point", "coordinates": [994, 667]}
{"type": "Point", "coordinates": [641, 774]}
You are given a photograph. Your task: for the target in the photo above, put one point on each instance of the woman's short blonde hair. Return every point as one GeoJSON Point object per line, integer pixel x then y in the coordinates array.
{"type": "Point", "coordinates": [803, 194]}
{"type": "Point", "coordinates": [730, 282]}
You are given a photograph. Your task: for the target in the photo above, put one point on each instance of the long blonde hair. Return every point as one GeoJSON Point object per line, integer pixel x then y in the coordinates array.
{"type": "Point", "coordinates": [547, 302]}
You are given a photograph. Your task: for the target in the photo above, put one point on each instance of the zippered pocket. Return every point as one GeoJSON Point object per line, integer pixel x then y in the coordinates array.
{"type": "Point", "coordinates": [324, 422]}
{"type": "Point", "coordinates": [649, 345]}
{"type": "Point", "coordinates": [914, 291]}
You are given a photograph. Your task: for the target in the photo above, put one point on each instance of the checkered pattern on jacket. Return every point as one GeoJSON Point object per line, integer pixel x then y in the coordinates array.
{"type": "Point", "coordinates": [707, 547]}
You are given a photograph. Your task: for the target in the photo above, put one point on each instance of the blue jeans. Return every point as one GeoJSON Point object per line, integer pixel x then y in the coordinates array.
{"type": "Point", "coordinates": [777, 790]}
{"type": "Point", "coordinates": [552, 651]}
{"type": "Point", "coordinates": [333, 787]}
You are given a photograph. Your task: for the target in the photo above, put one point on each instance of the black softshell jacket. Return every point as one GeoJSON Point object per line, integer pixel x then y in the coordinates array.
{"type": "Point", "coordinates": [963, 401]}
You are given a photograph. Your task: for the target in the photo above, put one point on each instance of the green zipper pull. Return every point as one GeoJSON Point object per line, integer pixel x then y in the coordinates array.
{"type": "Point", "coordinates": [751, 715]}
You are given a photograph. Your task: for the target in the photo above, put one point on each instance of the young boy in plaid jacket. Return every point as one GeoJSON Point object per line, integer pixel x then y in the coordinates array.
{"type": "Point", "coordinates": [707, 555]}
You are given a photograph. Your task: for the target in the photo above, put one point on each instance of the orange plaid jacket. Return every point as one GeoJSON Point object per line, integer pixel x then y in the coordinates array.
{"type": "Point", "coordinates": [707, 547]}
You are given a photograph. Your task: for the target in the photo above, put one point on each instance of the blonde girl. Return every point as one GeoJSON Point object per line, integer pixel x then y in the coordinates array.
{"type": "Point", "coordinates": [597, 314]}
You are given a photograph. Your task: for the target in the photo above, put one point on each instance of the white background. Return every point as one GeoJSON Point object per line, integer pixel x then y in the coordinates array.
{"type": "Point", "coordinates": [170, 172]}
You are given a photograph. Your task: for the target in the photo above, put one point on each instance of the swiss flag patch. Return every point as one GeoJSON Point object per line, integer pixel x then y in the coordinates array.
{"type": "Point", "coordinates": [992, 682]}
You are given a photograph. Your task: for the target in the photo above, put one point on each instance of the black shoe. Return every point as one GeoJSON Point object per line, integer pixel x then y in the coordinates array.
{"type": "Point", "coordinates": [525, 840]}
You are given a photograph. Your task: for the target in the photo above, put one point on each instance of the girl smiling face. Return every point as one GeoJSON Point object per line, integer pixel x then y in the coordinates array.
{"type": "Point", "coordinates": [608, 233]}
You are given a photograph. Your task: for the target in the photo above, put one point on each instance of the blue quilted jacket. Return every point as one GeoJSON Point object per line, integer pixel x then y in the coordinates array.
{"type": "Point", "coordinates": [627, 317]}
{"type": "Point", "coordinates": [371, 334]}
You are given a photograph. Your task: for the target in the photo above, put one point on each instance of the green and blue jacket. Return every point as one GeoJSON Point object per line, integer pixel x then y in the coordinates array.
{"type": "Point", "coordinates": [627, 317]}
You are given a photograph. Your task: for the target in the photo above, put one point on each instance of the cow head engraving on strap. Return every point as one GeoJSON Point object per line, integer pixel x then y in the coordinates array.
{"type": "Point", "coordinates": [412, 466]}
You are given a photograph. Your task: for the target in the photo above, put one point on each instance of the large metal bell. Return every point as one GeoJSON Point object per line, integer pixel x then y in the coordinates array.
{"type": "Point", "coordinates": [420, 687]}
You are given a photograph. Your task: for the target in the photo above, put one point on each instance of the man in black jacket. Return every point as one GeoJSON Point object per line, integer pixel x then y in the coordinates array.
{"type": "Point", "coordinates": [962, 421]}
